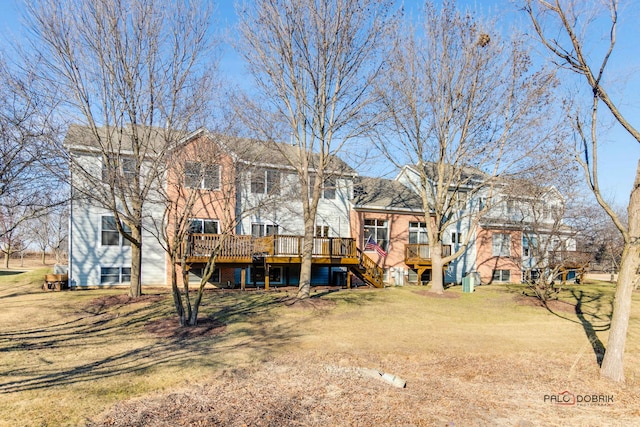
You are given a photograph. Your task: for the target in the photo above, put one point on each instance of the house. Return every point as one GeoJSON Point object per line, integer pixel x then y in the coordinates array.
{"type": "Point", "coordinates": [243, 200]}
{"type": "Point", "coordinates": [389, 215]}
{"type": "Point", "coordinates": [98, 253]}
{"type": "Point", "coordinates": [515, 229]}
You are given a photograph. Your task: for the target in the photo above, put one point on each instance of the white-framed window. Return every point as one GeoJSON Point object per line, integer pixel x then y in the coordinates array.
{"type": "Point", "coordinates": [126, 167]}
{"type": "Point", "coordinates": [329, 188]}
{"type": "Point", "coordinates": [456, 237]}
{"type": "Point", "coordinates": [501, 276]}
{"type": "Point", "coordinates": [378, 229]}
{"type": "Point", "coordinates": [501, 244]}
{"type": "Point", "coordinates": [265, 181]}
{"type": "Point", "coordinates": [259, 229]}
{"type": "Point", "coordinates": [109, 235]}
{"type": "Point", "coordinates": [204, 226]}
{"type": "Point", "coordinates": [418, 233]}
{"type": "Point", "coordinates": [114, 275]}
{"type": "Point", "coordinates": [322, 231]}
{"type": "Point", "coordinates": [529, 244]}
{"type": "Point", "coordinates": [202, 176]}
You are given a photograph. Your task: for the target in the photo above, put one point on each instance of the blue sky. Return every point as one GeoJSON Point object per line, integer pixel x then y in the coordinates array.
{"type": "Point", "coordinates": [619, 153]}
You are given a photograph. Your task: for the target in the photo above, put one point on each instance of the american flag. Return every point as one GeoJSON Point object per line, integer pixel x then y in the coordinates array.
{"type": "Point", "coordinates": [372, 245]}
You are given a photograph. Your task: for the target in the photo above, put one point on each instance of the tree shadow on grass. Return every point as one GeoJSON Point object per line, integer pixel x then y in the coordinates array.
{"type": "Point", "coordinates": [592, 314]}
{"type": "Point", "coordinates": [113, 342]}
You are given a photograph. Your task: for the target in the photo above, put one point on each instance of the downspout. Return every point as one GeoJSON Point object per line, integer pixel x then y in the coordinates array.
{"type": "Point", "coordinates": [70, 225]}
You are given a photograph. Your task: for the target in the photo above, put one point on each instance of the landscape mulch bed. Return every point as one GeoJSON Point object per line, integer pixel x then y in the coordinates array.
{"type": "Point", "coordinates": [169, 327]}
{"type": "Point", "coordinates": [551, 305]}
{"type": "Point", "coordinates": [329, 390]}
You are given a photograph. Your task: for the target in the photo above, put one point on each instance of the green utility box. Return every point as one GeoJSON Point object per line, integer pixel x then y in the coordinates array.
{"type": "Point", "coordinates": [470, 281]}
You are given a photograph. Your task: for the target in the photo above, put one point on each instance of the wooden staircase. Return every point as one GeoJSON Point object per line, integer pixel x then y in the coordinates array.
{"type": "Point", "coordinates": [367, 270]}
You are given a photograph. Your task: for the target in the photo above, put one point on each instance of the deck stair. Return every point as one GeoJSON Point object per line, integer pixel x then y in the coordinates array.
{"type": "Point", "coordinates": [367, 270]}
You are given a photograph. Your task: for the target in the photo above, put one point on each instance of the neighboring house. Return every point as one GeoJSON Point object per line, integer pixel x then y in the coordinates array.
{"type": "Point", "coordinates": [390, 215]}
{"type": "Point", "coordinates": [524, 233]}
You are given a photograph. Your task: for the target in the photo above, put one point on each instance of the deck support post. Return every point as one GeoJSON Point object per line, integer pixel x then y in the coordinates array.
{"type": "Point", "coordinates": [266, 277]}
{"type": "Point", "coordinates": [243, 278]}
{"type": "Point", "coordinates": [348, 279]}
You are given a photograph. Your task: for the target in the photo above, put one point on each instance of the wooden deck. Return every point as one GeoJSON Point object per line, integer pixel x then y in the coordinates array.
{"type": "Point", "coordinates": [419, 255]}
{"type": "Point", "coordinates": [241, 251]}
{"type": "Point", "coordinates": [232, 249]}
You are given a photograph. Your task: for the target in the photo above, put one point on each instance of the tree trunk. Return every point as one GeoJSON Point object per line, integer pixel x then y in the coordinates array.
{"type": "Point", "coordinates": [612, 364]}
{"type": "Point", "coordinates": [44, 257]}
{"type": "Point", "coordinates": [177, 298]}
{"type": "Point", "coordinates": [304, 287]}
{"type": "Point", "coordinates": [437, 278]}
{"type": "Point", "coordinates": [6, 256]}
{"type": "Point", "coordinates": [135, 289]}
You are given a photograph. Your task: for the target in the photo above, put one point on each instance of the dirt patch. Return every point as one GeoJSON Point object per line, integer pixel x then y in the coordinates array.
{"type": "Point", "coordinates": [309, 303]}
{"type": "Point", "coordinates": [552, 305]}
{"type": "Point", "coordinates": [445, 294]}
{"type": "Point", "coordinates": [169, 327]}
{"type": "Point", "coordinates": [101, 304]}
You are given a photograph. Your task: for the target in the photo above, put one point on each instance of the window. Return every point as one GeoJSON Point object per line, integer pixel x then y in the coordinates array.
{"type": "Point", "coordinates": [329, 190]}
{"type": "Point", "coordinates": [418, 233]}
{"type": "Point", "coordinates": [482, 203]}
{"type": "Point", "coordinates": [501, 276]}
{"type": "Point", "coordinates": [109, 232]}
{"type": "Point", "coordinates": [529, 243]}
{"type": "Point", "coordinates": [328, 187]}
{"type": "Point", "coordinates": [110, 275]}
{"type": "Point", "coordinates": [260, 230]}
{"type": "Point", "coordinates": [206, 226]}
{"type": "Point", "coordinates": [460, 199]}
{"type": "Point", "coordinates": [273, 181]}
{"type": "Point", "coordinates": [456, 238]}
{"type": "Point", "coordinates": [265, 181]}
{"type": "Point", "coordinates": [203, 176]}
{"type": "Point", "coordinates": [378, 230]}
{"type": "Point", "coordinates": [501, 244]}
{"type": "Point", "coordinates": [257, 181]}
{"type": "Point", "coordinates": [126, 167]}
{"type": "Point", "coordinates": [195, 275]}
{"type": "Point", "coordinates": [322, 231]}
{"type": "Point", "coordinates": [511, 207]}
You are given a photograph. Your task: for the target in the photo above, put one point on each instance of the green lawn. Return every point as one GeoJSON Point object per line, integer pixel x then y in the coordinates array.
{"type": "Point", "coordinates": [67, 357]}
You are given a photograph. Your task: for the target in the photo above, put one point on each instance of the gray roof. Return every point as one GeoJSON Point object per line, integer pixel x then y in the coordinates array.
{"type": "Point", "coordinates": [118, 139]}
{"type": "Point", "coordinates": [277, 154]}
{"type": "Point", "coordinates": [157, 139]}
{"type": "Point", "coordinates": [380, 193]}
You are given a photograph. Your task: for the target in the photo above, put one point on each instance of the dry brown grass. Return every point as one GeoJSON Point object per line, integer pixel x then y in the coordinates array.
{"type": "Point", "coordinates": [488, 358]}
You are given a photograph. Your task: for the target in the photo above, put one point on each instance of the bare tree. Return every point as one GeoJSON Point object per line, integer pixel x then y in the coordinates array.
{"type": "Point", "coordinates": [562, 28]}
{"type": "Point", "coordinates": [314, 64]}
{"type": "Point", "coordinates": [50, 231]}
{"type": "Point", "coordinates": [549, 242]}
{"type": "Point", "coordinates": [134, 74]}
{"type": "Point", "coordinates": [200, 184]}
{"type": "Point", "coordinates": [463, 108]}
{"type": "Point", "coordinates": [28, 182]}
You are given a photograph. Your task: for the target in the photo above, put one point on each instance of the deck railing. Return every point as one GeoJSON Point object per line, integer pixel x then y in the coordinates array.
{"type": "Point", "coordinates": [569, 258]}
{"type": "Point", "coordinates": [419, 252]}
{"type": "Point", "coordinates": [239, 247]}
